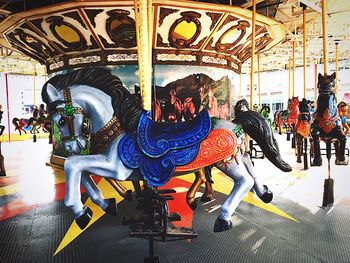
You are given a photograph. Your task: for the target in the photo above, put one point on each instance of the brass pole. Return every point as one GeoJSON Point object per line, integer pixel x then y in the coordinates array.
{"type": "Point", "coordinates": [259, 91]}
{"type": "Point", "coordinates": [324, 23]}
{"type": "Point", "coordinates": [315, 90]}
{"type": "Point", "coordinates": [304, 47]}
{"type": "Point", "coordinates": [144, 50]}
{"type": "Point", "coordinates": [293, 70]}
{"type": "Point", "coordinates": [240, 85]}
{"type": "Point", "coordinates": [336, 69]}
{"type": "Point", "coordinates": [289, 78]}
{"type": "Point", "coordinates": [252, 59]}
{"type": "Point", "coordinates": [34, 84]}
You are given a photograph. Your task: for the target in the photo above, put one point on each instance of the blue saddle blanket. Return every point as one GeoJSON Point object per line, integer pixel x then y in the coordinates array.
{"type": "Point", "coordinates": [157, 148]}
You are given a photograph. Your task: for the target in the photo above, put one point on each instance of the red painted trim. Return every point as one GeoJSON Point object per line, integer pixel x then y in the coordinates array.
{"type": "Point", "coordinates": [8, 108]}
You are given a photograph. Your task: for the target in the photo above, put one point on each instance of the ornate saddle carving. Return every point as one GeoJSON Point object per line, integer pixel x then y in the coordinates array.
{"type": "Point", "coordinates": [156, 139]}
{"type": "Point", "coordinates": [158, 148]}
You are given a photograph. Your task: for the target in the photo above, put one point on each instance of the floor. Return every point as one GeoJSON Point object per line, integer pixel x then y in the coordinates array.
{"type": "Point", "coordinates": [35, 226]}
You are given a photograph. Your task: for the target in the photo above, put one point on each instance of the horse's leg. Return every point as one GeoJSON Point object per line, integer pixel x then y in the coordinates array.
{"type": "Point", "coordinates": [108, 205]}
{"type": "Point", "coordinates": [299, 146]}
{"type": "Point", "coordinates": [190, 196]}
{"type": "Point", "coordinates": [243, 183]}
{"type": "Point", "coordinates": [317, 161]}
{"type": "Point", "coordinates": [74, 166]}
{"type": "Point", "coordinates": [341, 159]}
{"type": "Point", "coordinates": [260, 189]}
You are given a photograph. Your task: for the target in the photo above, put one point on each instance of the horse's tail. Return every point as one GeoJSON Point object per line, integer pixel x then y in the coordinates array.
{"type": "Point", "coordinates": [15, 121]}
{"type": "Point", "coordinates": [260, 131]}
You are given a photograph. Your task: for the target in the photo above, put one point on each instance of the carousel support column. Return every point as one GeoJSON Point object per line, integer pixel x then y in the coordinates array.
{"type": "Point", "coordinates": [7, 107]}
{"type": "Point", "coordinates": [304, 46]}
{"type": "Point", "coordinates": [34, 93]}
{"type": "Point", "coordinates": [328, 190]}
{"type": "Point", "coordinates": [252, 59]}
{"type": "Point", "coordinates": [336, 68]}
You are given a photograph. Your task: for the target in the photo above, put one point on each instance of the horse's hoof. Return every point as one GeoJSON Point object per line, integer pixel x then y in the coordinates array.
{"type": "Point", "coordinates": [193, 205]}
{"type": "Point", "coordinates": [222, 225]}
{"type": "Point", "coordinates": [111, 208]}
{"type": "Point", "coordinates": [128, 195]}
{"type": "Point", "coordinates": [298, 161]}
{"type": "Point", "coordinates": [267, 196]}
{"type": "Point", "coordinates": [345, 162]}
{"type": "Point", "coordinates": [206, 198]}
{"type": "Point", "coordinates": [83, 220]}
{"type": "Point", "coordinates": [317, 162]}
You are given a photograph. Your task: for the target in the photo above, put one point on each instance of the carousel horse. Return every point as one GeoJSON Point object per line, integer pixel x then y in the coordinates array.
{"type": "Point", "coordinates": [265, 112]}
{"type": "Point", "coordinates": [37, 123]}
{"type": "Point", "coordinates": [139, 148]}
{"type": "Point", "coordinates": [248, 122]}
{"type": "Point", "coordinates": [287, 117]}
{"type": "Point", "coordinates": [327, 125]}
{"type": "Point", "coordinates": [173, 108]}
{"type": "Point", "coordinates": [303, 130]}
{"type": "Point", "coordinates": [19, 124]}
{"type": "Point", "coordinates": [189, 110]}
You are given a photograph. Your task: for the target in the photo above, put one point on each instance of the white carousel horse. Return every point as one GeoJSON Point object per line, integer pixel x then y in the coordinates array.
{"type": "Point", "coordinates": [115, 116]}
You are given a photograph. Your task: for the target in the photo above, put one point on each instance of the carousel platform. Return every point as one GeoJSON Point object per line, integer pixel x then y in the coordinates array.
{"type": "Point", "coordinates": [35, 226]}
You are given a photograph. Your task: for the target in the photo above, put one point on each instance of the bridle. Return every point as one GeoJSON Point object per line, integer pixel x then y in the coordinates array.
{"type": "Point", "coordinates": [67, 112]}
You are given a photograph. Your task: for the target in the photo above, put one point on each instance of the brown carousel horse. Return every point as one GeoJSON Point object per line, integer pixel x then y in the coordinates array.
{"type": "Point", "coordinates": [173, 108]}
{"type": "Point", "coordinates": [303, 131]}
{"type": "Point", "coordinates": [19, 124]}
{"type": "Point", "coordinates": [287, 117]}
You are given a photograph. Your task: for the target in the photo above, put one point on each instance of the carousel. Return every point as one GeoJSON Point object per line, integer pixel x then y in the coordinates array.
{"type": "Point", "coordinates": [153, 149]}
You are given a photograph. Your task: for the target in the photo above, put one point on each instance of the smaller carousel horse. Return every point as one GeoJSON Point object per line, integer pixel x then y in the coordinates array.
{"type": "Point", "coordinates": [265, 112]}
{"type": "Point", "coordinates": [303, 130]}
{"type": "Point", "coordinates": [327, 125]}
{"type": "Point", "coordinates": [20, 124]}
{"type": "Point", "coordinates": [287, 117]}
{"type": "Point", "coordinates": [173, 108]}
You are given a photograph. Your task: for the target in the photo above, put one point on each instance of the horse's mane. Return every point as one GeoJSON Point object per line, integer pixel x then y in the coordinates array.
{"type": "Point", "coordinates": [126, 106]}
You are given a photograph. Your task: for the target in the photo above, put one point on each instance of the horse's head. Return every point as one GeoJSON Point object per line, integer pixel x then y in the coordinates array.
{"type": "Point", "coordinates": [305, 105]}
{"type": "Point", "coordinates": [326, 84]}
{"type": "Point", "coordinates": [68, 116]}
{"type": "Point", "coordinates": [241, 105]}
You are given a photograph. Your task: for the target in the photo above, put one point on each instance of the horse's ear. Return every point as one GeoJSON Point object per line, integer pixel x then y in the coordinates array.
{"type": "Point", "coordinates": [334, 75]}
{"type": "Point", "coordinates": [52, 93]}
{"type": "Point", "coordinates": [320, 77]}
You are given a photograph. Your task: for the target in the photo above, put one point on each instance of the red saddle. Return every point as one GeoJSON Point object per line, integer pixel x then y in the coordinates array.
{"type": "Point", "coordinates": [218, 145]}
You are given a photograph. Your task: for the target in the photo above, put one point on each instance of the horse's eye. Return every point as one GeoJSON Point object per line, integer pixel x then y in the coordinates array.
{"type": "Point", "coordinates": [62, 122]}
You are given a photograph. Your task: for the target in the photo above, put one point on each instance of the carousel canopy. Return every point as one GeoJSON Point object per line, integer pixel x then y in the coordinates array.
{"type": "Point", "coordinates": [84, 33]}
